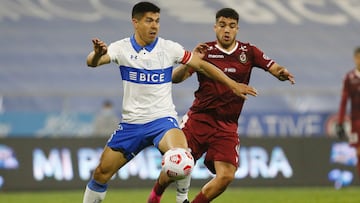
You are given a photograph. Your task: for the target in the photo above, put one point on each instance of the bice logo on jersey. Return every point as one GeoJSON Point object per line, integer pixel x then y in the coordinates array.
{"type": "Point", "coordinates": [147, 77]}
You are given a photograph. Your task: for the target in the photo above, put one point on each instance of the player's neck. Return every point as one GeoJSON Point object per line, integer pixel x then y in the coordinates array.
{"type": "Point", "coordinates": [227, 48]}
{"type": "Point", "coordinates": [139, 41]}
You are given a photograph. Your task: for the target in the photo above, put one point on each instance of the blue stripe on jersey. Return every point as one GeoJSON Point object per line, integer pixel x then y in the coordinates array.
{"type": "Point", "coordinates": [142, 76]}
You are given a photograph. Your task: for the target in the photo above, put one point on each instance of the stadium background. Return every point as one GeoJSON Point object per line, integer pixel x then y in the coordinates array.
{"type": "Point", "coordinates": [47, 91]}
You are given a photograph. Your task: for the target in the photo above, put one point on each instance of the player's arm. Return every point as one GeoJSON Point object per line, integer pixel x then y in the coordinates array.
{"type": "Point", "coordinates": [99, 55]}
{"type": "Point", "coordinates": [281, 73]}
{"type": "Point", "coordinates": [241, 90]}
{"type": "Point", "coordinates": [183, 72]}
{"type": "Point", "coordinates": [340, 130]}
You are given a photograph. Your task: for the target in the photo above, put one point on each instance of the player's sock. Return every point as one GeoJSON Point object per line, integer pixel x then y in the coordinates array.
{"type": "Point", "coordinates": [156, 192]}
{"type": "Point", "coordinates": [95, 192]}
{"type": "Point", "coordinates": [358, 165]}
{"type": "Point", "coordinates": [182, 189]}
{"type": "Point", "coordinates": [153, 198]}
{"type": "Point", "coordinates": [200, 198]}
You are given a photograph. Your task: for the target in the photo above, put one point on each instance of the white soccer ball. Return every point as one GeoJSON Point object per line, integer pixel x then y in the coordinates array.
{"type": "Point", "coordinates": [177, 163]}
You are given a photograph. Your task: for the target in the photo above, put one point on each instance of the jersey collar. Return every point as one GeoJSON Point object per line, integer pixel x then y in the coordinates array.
{"type": "Point", "coordinates": [227, 52]}
{"type": "Point", "coordinates": [138, 47]}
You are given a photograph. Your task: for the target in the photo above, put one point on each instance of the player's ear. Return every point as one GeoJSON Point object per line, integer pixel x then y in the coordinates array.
{"type": "Point", "coordinates": [135, 22]}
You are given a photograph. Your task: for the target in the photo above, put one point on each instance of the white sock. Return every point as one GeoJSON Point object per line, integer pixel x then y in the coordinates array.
{"type": "Point", "coordinates": [91, 196]}
{"type": "Point", "coordinates": [182, 189]}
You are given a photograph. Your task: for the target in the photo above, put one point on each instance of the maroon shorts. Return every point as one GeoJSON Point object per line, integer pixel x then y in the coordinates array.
{"type": "Point", "coordinates": [218, 145]}
{"type": "Point", "coordinates": [354, 137]}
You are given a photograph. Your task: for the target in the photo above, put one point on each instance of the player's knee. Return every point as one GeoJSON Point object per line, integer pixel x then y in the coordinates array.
{"type": "Point", "coordinates": [225, 178]}
{"type": "Point", "coordinates": [102, 174]}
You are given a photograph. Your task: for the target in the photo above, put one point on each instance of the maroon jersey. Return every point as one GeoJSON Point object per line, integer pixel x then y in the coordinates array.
{"type": "Point", "coordinates": [351, 90]}
{"type": "Point", "coordinates": [214, 102]}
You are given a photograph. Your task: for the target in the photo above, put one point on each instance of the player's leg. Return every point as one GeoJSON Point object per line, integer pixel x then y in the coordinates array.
{"type": "Point", "coordinates": [123, 145]}
{"type": "Point", "coordinates": [222, 159]}
{"type": "Point", "coordinates": [225, 173]}
{"type": "Point", "coordinates": [196, 135]}
{"type": "Point", "coordinates": [358, 158]}
{"type": "Point", "coordinates": [173, 138]}
{"type": "Point", "coordinates": [354, 140]}
{"type": "Point", "coordinates": [182, 190]}
{"type": "Point", "coordinates": [110, 162]}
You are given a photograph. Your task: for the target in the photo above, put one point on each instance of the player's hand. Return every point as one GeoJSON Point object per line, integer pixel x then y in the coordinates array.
{"type": "Point", "coordinates": [200, 50]}
{"type": "Point", "coordinates": [284, 74]}
{"type": "Point", "coordinates": [242, 90]}
{"type": "Point", "coordinates": [340, 131]}
{"type": "Point", "coordinates": [100, 48]}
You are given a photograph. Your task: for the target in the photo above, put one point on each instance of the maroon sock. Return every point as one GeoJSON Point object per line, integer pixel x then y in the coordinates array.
{"type": "Point", "coordinates": [200, 198]}
{"type": "Point", "coordinates": [358, 165]}
{"type": "Point", "coordinates": [159, 189]}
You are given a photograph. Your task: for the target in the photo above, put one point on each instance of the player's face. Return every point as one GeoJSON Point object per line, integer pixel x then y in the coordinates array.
{"type": "Point", "coordinates": [226, 30]}
{"type": "Point", "coordinates": [357, 60]}
{"type": "Point", "coordinates": [147, 28]}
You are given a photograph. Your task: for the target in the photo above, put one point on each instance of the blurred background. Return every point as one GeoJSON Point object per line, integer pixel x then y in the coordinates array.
{"type": "Point", "coordinates": [47, 91]}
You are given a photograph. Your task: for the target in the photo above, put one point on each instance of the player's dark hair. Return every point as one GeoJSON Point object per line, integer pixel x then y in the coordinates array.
{"type": "Point", "coordinates": [141, 8]}
{"type": "Point", "coordinates": [227, 13]}
{"type": "Point", "coordinates": [357, 51]}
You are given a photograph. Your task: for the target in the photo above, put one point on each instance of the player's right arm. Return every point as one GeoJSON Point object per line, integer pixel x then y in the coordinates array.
{"type": "Point", "coordinates": [99, 55]}
{"type": "Point", "coordinates": [343, 102]}
{"type": "Point", "coordinates": [214, 73]}
{"type": "Point", "coordinates": [183, 72]}
{"type": "Point", "coordinates": [197, 64]}
{"type": "Point", "coordinates": [340, 130]}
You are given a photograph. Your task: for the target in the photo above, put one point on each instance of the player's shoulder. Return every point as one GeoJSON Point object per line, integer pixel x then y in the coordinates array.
{"type": "Point", "coordinates": [167, 42]}
{"type": "Point", "coordinates": [210, 43]}
{"type": "Point", "coordinates": [121, 42]}
{"type": "Point", "coordinates": [246, 45]}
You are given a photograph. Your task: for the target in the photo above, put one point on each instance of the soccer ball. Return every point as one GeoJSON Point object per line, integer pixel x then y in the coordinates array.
{"type": "Point", "coordinates": [177, 163]}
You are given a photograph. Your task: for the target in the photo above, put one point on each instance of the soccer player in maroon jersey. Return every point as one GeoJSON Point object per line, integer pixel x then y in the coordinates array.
{"type": "Point", "coordinates": [351, 90]}
{"type": "Point", "coordinates": [212, 122]}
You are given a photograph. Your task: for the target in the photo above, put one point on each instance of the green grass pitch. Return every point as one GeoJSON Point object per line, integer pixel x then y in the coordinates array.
{"type": "Point", "coordinates": [232, 195]}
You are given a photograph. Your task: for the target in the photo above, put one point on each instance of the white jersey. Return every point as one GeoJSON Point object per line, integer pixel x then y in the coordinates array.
{"type": "Point", "coordinates": [146, 73]}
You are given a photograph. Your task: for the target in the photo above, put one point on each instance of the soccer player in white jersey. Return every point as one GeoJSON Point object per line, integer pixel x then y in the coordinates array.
{"type": "Point", "coordinates": [149, 117]}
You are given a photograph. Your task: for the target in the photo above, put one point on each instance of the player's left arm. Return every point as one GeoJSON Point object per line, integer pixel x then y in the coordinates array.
{"type": "Point", "coordinates": [281, 73]}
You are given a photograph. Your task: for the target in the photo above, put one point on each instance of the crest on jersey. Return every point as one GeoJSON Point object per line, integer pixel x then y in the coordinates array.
{"type": "Point", "coordinates": [243, 57]}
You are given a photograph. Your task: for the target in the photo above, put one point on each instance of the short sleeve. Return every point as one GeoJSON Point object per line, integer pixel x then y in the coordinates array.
{"type": "Point", "coordinates": [179, 54]}
{"type": "Point", "coordinates": [261, 60]}
{"type": "Point", "coordinates": [114, 51]}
